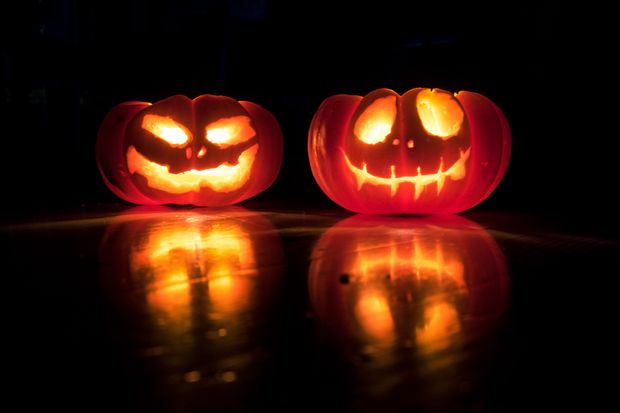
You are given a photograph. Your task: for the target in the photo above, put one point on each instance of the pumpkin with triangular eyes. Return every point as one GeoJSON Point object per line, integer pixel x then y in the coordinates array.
{"type": "Point", "coordinates": [427, 151]}
{"type": "Point", "coordinates": [209, 151]}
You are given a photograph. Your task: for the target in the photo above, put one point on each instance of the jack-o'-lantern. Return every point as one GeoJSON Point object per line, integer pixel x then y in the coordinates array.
{"type": "Point", "coordinates": [427, 151]}
{"type": "Point", "coordinates": [209, 151]}
{"type": "Point", "coordinates": [428, 284]}
{"type": "Point", "coordinates": [192, 287]}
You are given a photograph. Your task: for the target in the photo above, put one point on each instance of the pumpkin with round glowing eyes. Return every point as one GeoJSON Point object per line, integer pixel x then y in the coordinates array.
{"type": "Point", "coordinates": [427, 151]}
{"type": "Point", "coordinates": [209, 151]}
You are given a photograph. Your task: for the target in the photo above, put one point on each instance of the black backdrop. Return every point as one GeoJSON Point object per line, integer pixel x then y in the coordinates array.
{"type": "Point", "coordinates": [65, 63]}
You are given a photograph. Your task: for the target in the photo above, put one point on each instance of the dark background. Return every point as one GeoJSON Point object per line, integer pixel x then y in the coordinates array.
{"type": "Point", "coordinates": [65, 63]}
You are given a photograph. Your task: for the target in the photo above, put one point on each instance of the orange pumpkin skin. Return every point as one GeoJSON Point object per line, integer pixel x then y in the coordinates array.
{"type": "Point", "coordinates": [427, 151]}
{"type": "Point", "coordinates": [209, 151]}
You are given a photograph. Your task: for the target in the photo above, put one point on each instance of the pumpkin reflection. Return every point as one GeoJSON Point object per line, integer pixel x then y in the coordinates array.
{"type": "Point", "coordinates": [173, 257]}
{"type": "Point", "coordinates": [429, 284]}
{"type": "Point", "coordinates": [200, 281]}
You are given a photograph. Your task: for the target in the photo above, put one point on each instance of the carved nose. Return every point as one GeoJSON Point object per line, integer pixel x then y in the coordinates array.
{"type": "Point", "coordinates": [202, 152]}
{"type": "Point", "coordinates": [410, 143]}
{"type": "Point", "coordinates": [188, 152]}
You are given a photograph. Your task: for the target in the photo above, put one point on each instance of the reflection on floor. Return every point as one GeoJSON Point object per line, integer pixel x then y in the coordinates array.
{"type": "Point", "coordinates": [196, 283]}
{"type": "Point", "coordinates": [233, 309]}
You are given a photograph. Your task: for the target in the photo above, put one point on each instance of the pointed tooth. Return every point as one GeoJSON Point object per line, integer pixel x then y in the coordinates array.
{"type": "Point", "coordinates": [394, 183]}
{"type": "Point", "coordinates": [466, 154]}
{"type": "Point", "coordinates": [441, 179]}
{"type": "Point", "coordinates": [361, 178]}
{"type": "Point", "coordinates": [457, 171]}
{"type": "Point", "coordinates": [360, 182]}
{"type": "Point", "coordinates": [419, 188]}
{"type": "Point", "coordinates": [393, 189]}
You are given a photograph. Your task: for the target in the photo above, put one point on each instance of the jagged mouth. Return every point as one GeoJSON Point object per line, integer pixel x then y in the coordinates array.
{"type": "Point", "coordinates": [224, 178]}
{"type": "Point", "coordinates": [455, 172]}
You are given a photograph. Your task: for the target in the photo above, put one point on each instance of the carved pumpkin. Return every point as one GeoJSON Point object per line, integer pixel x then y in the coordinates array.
{"type": "Point", "coordinates": [427, 151]}
{"type": "Point", "coordinates": [191, 286]}
{"type": "Point", "coordinates": [428, 284]}
{"type": "Point", "coordinates": [210, 151]}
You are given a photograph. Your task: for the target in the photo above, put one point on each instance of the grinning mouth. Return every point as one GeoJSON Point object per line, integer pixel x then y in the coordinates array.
{"type": "Point", "coordinates": [456, 172]}
{"type": "Point", "coordinates": [224, 178]}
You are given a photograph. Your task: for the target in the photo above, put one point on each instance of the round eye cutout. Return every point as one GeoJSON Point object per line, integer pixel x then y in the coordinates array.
{"type": "Point", "coordinates": [166, 129]}
{"type": "Point", "coordinates": [226, 132]}
{"type": "Point", "coordinates": [440, 113]}
{"type": "Point", "coordinates": [375, 123]}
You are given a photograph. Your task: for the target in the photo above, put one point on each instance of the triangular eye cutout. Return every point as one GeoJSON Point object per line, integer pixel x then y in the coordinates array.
{"type": "Point", "coordinates": [440, 113]}
{"type": "Point", "coordinates": [226, 132]}
{"type": "Point", "coordinates": [166, 129]}
{"type": "Point", "coordinates": [375, 123]}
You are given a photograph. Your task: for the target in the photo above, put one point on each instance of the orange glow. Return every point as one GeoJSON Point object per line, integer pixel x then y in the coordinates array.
{"type": "Point", "coordinates": [372, 311]}
{"type": "Point", "coordinates": [408, 255]}
{"type": "Point", "coordinates": [229, 131]}
{"type": "Point", "coordinates": [441, 324]}
{"type": "Point", "coordinates": [440, 113]}
{"type": "Point", "coordinates": [179, 254]}
{"type": "Point", "coordinates": [397, 290]}
{"type": "Point", "coordinates": [232, 256]}
{"type": "Point", "coordinates": [223, 178]}
{"type": "Point", "coordinates": [456, 172]}
{"type": "Point", "coordinates": [166, 129]}
{"type": "Point", "coordinates": [375, 123]}
{"type": "Point", "coordinates": [193, 283]}
{"type": "Point", "coordinates": [410, 259]}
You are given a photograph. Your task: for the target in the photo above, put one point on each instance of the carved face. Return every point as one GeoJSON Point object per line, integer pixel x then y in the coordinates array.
{"type": "Point", "coordinates": [194, 148]}
{"type": "Point", "coordinates": [209, 151]}
{"type": "Point", "coordinates": [416, 153]}
{"type": "Point", "coordinates": [417, 150]}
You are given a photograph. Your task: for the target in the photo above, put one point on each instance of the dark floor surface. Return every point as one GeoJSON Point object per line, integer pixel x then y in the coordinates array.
{"type": "Point", "coordinates": [195, 310]}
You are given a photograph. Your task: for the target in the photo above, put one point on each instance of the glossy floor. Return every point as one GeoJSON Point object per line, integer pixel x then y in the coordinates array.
{"type": "Point", "coordinates": [239, 310]}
